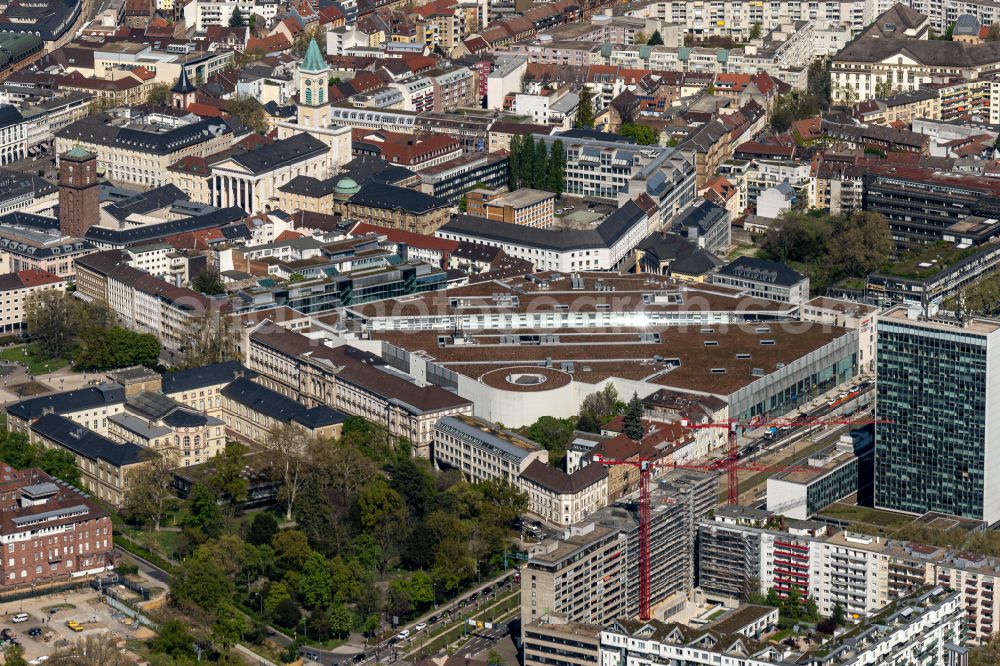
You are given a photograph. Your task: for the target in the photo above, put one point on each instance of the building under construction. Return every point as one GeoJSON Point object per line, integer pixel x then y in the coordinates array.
{"type": "Point", "coordinates": [590, 574]}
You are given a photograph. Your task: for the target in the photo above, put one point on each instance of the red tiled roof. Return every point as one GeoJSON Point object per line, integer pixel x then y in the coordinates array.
{"type": "Point", "coordinates": [204, 110]}
{"type": "Point", "coordinates": [287, 235]}
{"type": "Point", "coordinates": [268, 44]}
{"type": "Point", "coordinates": [143, 73]}
{"type": "Point", "coordinates": [33, 277]}
{"type": "Point", "coordinates": [191, 164]}
{"type": "Point", "coordinates": [412, 239]}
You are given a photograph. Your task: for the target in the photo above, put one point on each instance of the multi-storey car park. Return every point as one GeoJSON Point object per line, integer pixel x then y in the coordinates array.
{"type": "Point", "coordinates": [560, 338]}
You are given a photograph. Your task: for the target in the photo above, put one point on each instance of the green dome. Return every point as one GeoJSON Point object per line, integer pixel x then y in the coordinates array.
{"type": "Point", "coordinates": [346, 185]}
{"type": "Point", "coordinates": [78, 153]}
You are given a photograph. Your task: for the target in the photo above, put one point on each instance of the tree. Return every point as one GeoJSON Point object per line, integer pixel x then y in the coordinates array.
{"type": "Point", "coordinates": [585, 110]}
{"type": "Point", "coordinates": [643, 134]}
{"type": "Point", "coordinates": [883, 87]}
{"type": "Point", "coordinates": [250, 111]}
{"type": "Point", "coordinates": [514, 163]}
{"type": "Point", "coordinates": [14, 656]}
{"type": "Point", "coordinates": [226, 477]}
{"type": "Point", "coordinates": [200, 580]}
{"type": "Point", "coordinates": [91, 651]}
{"type": "Point", "coordinates": [633, 418]}
{"type": "Point", "coordinates": [453, 564]}
{"type": "Point", "coordinates": [211, 338]}
{"type": "Point", "coordinates": [150, 491]}
{"type": "Point", "coordinates": [291, 550]}
{"type": "Point", "coordinates": [556, 169]}
{"type": "Point", "coordinates": [203, 511]}
{"type": "Point", "coordinates": [949, 32]}
{"type": "Point", "coordinates": [860, 243]}
{"type": "Point", "coordinates": [839, 616]}
{"type": "Point", "coordinates": [263, 527]}
{"type": "Point", "coordinates": [539, 166]}
{"type": "Point", "coordinates": [341, 620]}
{"type": "Point", "coordinates": [494, 658]}
{"type": "Point", "coordinates": [289, 448]}
{"type": "Point", "coordinates": [656, 39]}
{"type": "Point", "coordinates": [381, 514]}
{"type": "Point", "coordinates": [174, 640]}
{"type": "Point", "coordinates": [796, 237]}
{"type": "Point", "coordinates": [553, 434]}
{"type": "Point", "coordinates": [60, 464]}
{"type": "Point", "coordinates": [51, 317]}
{"type": "Point", "coordinates": [526, 161]}
{"type": "Point", "coordinates": [755, 31]}
{"type": "Point", "coordinates": [994, 33]}
{"type": "Point", "coordinates": [159, 95]}
{"type": "Point", "coordinates": [316, 584]}
{"type": "Point", "coordinates": [598, 408]}
{"type": "Point", "coordinates": [287, 614]}
{"type": "Point", "coordinates": [230, 625]}
{"type": "Point", "coordinates": [276, 593]}
{"type": "Point", "coordinates": [236, 18]}
{"type": "Point", "coordinates": [209, 281]}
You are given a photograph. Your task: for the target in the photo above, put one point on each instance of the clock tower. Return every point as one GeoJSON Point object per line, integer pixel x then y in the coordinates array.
{"type": "Point", "coordinates": [314, 80]}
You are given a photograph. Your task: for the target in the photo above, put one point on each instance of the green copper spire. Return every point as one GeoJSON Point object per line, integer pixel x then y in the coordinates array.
{"type": "Point", "coordinates": [314, 61]}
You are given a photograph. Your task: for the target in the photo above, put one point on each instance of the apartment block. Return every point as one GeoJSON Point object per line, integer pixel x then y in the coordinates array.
{"type": "Point", "coordinates": [590, 574]}
{"type": "Point", "coordinates": [532, 208]}
{"type": "Point", "coordinates": [481, 451]}
{"type": "Point", "coordinates": [947, 371]}
{"type": "Point", "coordinates": [50, 531]}
{"type": "Point", "coordinates": [16, 289]}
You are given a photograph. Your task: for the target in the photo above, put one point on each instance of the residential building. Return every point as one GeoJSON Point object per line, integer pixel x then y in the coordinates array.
{"type": "Point", "coordinates": [105, 465]}
{"type": "Point", "coordinates": [765, 279]}
{"type": "Point", "coordinates": [141, 301]}
{"type": "Point", "coordinates": [559, 498]}
{"type": "Point", "coordinates": [946, 370]}
{"type": "Point", "coordinates": [481, 451]}
{"type": "Point", "coordinates": [50, 531]}
{"type": "Point", "coordinates": [925, 625]}
{"type": "Point", "coordinates": [532, 208]}
{"type": "Point", "coordinates": [589, 574]}
{"type": "Point", "coordinates": [553, 642]}
{"type": "Point", "coordinates": [16, 289]}
{"type": "Point", "coordinates": [705, 225]}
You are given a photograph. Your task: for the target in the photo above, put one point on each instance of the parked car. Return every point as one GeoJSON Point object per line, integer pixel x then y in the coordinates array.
{"type": "Point", "coordinates": [20, 617]}
{"type": "Point", "coordinates": [35, 632]}
{"type": "Point", "coordinates": [74, 625]}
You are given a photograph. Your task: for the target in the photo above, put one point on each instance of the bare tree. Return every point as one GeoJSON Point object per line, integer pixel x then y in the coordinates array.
{"type": "Point", "coordinates": [289, 449]}
{"type": "Point", "coordinates": [211, 338]}
{"type": "Point", "coordinates": [91, 651]}
{"type": "Point", "coordinates": [150, 490]}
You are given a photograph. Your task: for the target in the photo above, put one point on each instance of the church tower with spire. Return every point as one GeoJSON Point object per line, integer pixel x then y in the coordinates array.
{"type": "Point", "coordinates": [314, 79]}
{"type": "Point", "coordinates": [183, 92]}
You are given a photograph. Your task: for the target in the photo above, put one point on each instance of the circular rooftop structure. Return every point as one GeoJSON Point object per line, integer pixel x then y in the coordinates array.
{"type": "Point", "coordinates": [526, 378]}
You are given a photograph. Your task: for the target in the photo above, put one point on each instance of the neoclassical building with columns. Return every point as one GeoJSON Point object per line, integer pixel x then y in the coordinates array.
{"type": "Point", "coordinates": [251, 180]}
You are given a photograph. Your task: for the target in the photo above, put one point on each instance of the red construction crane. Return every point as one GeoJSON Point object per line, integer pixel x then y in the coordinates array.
{"type": "Point", "coordinates": [646, 465]}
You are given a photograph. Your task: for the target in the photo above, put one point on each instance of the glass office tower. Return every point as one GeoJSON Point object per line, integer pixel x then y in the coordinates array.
{"type": "Point", "coordinates": [938, 382]}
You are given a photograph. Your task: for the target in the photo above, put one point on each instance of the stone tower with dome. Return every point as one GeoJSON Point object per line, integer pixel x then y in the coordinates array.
{"type": "Point", "coordinates": [314, 81]}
